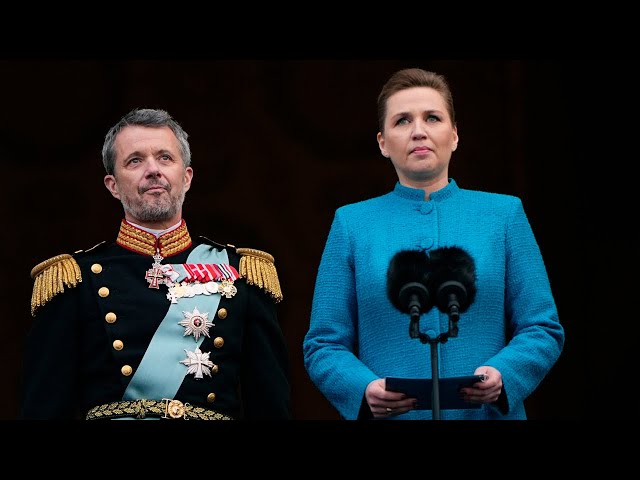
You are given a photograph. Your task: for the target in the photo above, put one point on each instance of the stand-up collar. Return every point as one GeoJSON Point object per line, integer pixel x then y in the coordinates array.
{"type": "Point", "coordinates": [139, 241]}
{"type": "Point", "coordinates": [418, 194]}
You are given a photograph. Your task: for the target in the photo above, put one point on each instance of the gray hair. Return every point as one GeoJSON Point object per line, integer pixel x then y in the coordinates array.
{"type": "Point", "coordinates": [145, 117]}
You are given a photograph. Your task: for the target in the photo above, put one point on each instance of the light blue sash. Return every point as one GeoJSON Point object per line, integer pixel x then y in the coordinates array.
{"type": "Point", "coordinates": [160, 373]}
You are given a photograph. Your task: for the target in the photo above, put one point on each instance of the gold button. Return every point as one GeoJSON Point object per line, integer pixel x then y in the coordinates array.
{"type": "Point", "coordinates": [222, 313]}
{"type": "Point", "coordinates": [103, 292]}
{"type": "Point", "coordinates": [214, 368]}
{"type": "Point", "coordinates": [126, 370]}
{"type": "Point", "coordinates": [211, 397]}
{"type": "Point", "coordinates": [110, 317]}
{"type": "Point", "coordinates": [218, 342]}
{"type": "Point", "coordinates": [96, 268]}
{"type": "Point", "coordinates": [118, 345]}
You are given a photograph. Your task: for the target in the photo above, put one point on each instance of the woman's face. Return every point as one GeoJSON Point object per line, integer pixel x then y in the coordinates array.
{"type": "Point", "coordinates": [418, 137]}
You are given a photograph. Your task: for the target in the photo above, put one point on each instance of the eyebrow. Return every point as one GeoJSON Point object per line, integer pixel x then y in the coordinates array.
{"type": "Point", "coordinates": [432, 110]}
{"type": "Point", "coordinates": [138, 153]}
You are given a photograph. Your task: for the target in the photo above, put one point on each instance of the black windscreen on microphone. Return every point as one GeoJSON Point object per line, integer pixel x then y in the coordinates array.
{"type": "Point", "coordinates": [452, 280]}
{"type": "Point", "coordinates": [407, 279]}
{"type": "Point", "coordinates": [416, 281]}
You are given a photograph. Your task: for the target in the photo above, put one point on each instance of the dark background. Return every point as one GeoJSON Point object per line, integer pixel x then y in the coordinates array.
{"type": "Point", "coordinates": [278, 145]}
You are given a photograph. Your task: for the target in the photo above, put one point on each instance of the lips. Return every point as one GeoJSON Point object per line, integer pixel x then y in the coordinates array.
{"type": "Point", "coordinates": [155, 188]}
{"type": "Point", "coordinates": [421, 150]}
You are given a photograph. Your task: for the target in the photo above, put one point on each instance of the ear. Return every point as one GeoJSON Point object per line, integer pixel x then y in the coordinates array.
{"type": "Point", "coordinates": [455, 139]}
{"type": "Point", "coordinates": [188, 176]}
{"type": "Point", "coordinates": [112, 185]}
{"type": "Point", "coordinates": [380, 139]}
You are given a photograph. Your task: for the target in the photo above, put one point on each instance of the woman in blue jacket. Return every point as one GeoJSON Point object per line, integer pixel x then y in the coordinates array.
{"type": "Point", "coordinates": [510, 332]}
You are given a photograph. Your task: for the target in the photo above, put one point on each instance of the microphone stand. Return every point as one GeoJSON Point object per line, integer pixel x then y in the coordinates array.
{"type": "Point", "coordinates": [448, 300]}
{"type": "Point", "coordinates": [414, 332]}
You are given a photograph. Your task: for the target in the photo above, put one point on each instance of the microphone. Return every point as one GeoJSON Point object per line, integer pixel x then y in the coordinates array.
{"type": "Point", "coordinates": [407, 279]}
{"type": "Point", "coordinates": [453, 279]}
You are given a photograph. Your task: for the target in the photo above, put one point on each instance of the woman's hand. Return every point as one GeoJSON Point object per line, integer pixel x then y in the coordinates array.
{"type": "Point", "coordinates": [384, 403]}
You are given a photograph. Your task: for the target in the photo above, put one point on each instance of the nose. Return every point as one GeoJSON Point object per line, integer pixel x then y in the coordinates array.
{"type": "Point", "coordinates": [419, 129]}
{"type": "Point", "coordinates": [153, 168]}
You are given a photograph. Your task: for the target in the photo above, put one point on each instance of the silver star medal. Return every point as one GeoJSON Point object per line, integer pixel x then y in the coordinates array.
{"type": "Point", "coordinates": [198, 363]}
{"type": "Point", "coordinates": [196, 323]}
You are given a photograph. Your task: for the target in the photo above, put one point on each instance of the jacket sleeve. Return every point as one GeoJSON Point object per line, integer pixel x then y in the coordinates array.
{"type": "Point", "coordinates": [537, 337]}
{"type": "Point", "coordinates": [264, 386]}
{"type": "Point", "coordinates": [49, 385]}
{"type": "Point", "coordinates": [265, 371]}
{"type": "Point", "coordinates": [330, 344]}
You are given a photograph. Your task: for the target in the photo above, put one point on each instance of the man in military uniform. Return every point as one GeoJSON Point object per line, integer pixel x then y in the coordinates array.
{"type": "Point", "coordinates": [156, 324]}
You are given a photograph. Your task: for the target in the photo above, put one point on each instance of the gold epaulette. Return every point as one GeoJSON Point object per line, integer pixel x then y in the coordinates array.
{"type": "Point", "coordinates": [258, 268]}
{"type": "Point", "coordinates": [50, 278]}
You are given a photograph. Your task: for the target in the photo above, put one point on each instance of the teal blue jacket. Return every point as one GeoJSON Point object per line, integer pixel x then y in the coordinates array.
{"type": "Point", "coordinates": [356, 335]}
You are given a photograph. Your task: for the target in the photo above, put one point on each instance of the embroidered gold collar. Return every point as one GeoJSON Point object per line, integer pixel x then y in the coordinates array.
{"type": "Point", "coordinates": [139, 241]}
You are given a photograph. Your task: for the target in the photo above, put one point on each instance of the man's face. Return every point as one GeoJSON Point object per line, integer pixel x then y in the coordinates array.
{"type": "Point", "coordinates": [149, 176]}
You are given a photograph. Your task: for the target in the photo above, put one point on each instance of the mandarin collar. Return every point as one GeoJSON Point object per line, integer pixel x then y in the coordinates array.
{"type": "Point", "coordinates": [417, 194]}
{"type": "Point", "coordinates": [140, 241]}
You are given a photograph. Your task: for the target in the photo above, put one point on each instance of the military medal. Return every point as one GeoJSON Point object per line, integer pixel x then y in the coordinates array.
{"type": "Point", "coordinates": [199, 279]}
{"type": "Point", "coordinates": [196, 323]}
{"type": "Point", "coordinates": [155, 276]}
{"type": "Point", "coordinates": [204, 272]}
{"type": "Point", "coordinates": [198, 363]}
{"type": "Point", "coordinates": [189, 290]}
{"type": "Point", "coordinates": [227, 289]}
